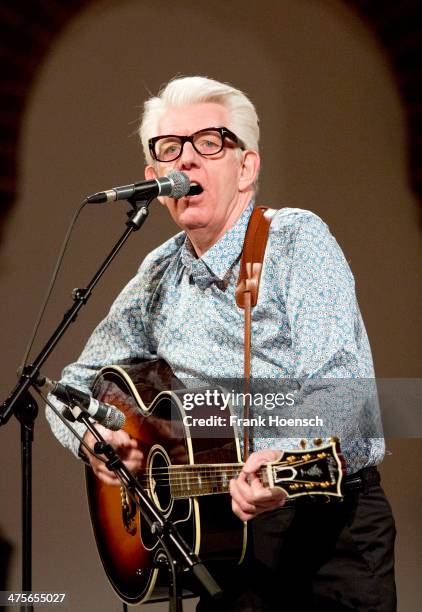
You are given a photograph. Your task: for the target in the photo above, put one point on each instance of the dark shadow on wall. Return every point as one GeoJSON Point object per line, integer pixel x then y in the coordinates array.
{"type": "Point", "coordinates": [6, 551]}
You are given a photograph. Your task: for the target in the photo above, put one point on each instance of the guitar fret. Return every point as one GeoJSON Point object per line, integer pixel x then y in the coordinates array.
{"type": "Point", "coordinates": [193, 480]}
{"type": "Point", "coordinates": [201, 480]}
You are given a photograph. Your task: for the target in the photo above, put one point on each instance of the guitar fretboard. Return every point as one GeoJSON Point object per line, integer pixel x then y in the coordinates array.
{"type": "Point", "coordinates": [301, 473]}
{"type": "Point", "coordinates": [193, 480]}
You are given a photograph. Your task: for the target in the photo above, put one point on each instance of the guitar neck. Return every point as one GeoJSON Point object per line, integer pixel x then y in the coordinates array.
{"type": "Point", "coordinates": [195, 480]}
{"type": "Point", "coordinates": [310, 472]}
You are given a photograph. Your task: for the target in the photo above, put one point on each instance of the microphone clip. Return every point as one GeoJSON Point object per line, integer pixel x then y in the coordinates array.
{"type": "Point", "coordinates": [138, 215]}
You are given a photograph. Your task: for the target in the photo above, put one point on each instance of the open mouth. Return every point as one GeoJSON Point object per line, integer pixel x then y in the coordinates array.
{"type": "Point", "coordinates": [195, 189]}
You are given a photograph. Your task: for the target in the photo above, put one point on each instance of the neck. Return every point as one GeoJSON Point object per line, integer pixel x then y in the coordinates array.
{"type": "Point", "coordinates": [203, 238]}
{"type": "Point", "coordinates": [206, 479]}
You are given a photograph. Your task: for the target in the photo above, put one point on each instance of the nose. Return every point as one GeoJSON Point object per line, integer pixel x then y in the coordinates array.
{"type": "Point", "coordinates": [189, 157]}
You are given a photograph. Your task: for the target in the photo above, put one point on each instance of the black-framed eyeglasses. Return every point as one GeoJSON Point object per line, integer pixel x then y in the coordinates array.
{"type": "Point", "coordinates": [206, 142]}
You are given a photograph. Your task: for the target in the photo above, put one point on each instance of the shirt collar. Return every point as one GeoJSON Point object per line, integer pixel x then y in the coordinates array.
{"type": "Point", "coordinates": [215, 264]}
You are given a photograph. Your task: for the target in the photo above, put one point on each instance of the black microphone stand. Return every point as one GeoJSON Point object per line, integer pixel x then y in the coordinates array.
{"type": "Point", "coordinates": [23, 406]}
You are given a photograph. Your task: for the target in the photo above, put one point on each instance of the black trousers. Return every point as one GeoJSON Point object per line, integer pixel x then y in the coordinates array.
{"type": "Point", "coordinates": [316, 557]}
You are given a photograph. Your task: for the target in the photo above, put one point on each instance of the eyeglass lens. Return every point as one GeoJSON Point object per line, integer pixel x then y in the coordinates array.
{"type": "Point", "coordinates": [205, 143]}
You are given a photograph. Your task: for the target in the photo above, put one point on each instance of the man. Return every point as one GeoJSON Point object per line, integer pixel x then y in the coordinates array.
{"type": "Point", "coordinates": [181, 307]}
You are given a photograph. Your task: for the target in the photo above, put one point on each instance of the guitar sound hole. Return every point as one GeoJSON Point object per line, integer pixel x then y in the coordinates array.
{"type": "Point", "coordinates": [159, 478]}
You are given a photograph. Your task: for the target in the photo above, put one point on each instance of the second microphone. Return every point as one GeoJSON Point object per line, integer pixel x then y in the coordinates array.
{"type": "Point", "coordinates": [102, 413]}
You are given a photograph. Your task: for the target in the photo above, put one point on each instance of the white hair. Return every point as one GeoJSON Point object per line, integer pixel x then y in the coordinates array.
{"type": "Point", "coordinates": [179, 92]}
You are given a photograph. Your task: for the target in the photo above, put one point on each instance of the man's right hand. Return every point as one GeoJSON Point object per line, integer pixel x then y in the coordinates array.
{"type": "Point", "coordinates": [128, 450]}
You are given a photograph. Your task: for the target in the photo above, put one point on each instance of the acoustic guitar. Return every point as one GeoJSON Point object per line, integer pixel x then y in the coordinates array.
{"type": "Point", "coordinates": [187, 475]}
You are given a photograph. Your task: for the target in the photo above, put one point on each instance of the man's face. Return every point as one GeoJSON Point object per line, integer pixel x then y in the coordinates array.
{"type": "Point", "coordinates": [225, 182]}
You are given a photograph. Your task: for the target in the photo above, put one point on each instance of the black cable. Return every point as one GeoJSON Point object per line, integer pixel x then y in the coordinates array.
{"type": "Point", "coordinates": [51, 285]}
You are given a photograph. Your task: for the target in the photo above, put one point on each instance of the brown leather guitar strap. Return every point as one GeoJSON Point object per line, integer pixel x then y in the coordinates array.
{"type": "Point", "coordinates": [247, 290]}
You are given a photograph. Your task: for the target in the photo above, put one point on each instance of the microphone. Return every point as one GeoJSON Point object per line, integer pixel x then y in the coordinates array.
{"type": "Point", "coordinates": [105, 414]}
{"type": "Point", "coordinates": [175, 184]}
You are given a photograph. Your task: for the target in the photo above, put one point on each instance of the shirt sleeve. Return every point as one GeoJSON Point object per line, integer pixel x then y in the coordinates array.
{"type": "Point", "coordinates": [327, 330]}
{"type": "Point", "coordinates": [333, 361]}
{"type": "Point", "coordinates": [118, 338]}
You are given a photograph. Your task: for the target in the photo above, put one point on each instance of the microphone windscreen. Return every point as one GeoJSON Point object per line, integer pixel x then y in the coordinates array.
{"type": "Point", "coordinates": [180, 182]}
{"type": "Point", "coordinates": [114, 420]}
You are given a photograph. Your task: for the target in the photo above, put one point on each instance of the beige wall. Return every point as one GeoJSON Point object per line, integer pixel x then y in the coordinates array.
{"type": "Point", "coordinates": [333, 141]}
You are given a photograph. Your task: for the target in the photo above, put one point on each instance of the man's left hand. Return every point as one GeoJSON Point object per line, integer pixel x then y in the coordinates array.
{"type": "Point", "coordinates": [249, 496]}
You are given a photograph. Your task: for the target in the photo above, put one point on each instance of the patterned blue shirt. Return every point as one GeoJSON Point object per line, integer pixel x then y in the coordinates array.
{"type": "Point", "coordinates": [181, 308]}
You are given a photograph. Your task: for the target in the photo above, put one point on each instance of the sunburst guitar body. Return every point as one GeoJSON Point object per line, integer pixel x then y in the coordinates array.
{"type": "Point", "coordinates": [187, 475]}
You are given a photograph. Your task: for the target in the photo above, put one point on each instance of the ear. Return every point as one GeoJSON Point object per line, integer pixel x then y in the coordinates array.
{"type": "Point", "coordinates": [150, 172]}
{"type": "Point", "coordinates": [249, 169]}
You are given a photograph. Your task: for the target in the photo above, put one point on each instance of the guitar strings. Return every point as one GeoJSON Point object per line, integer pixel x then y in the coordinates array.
{"type": "Point", "coordinates": [185, 469]}
{"type": "Point", "coordinates": [185, 475]}
{"type": "Point", "coordinates": [169, 480]}
{"type": "Point", "coordinates": [209, 478]}
{"type": "Point", "coordinates": [206, 479]}
{"type": "Point", "coordinates": [184, 485]}
{"type": "Point", "coordinates": [236, 465]}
